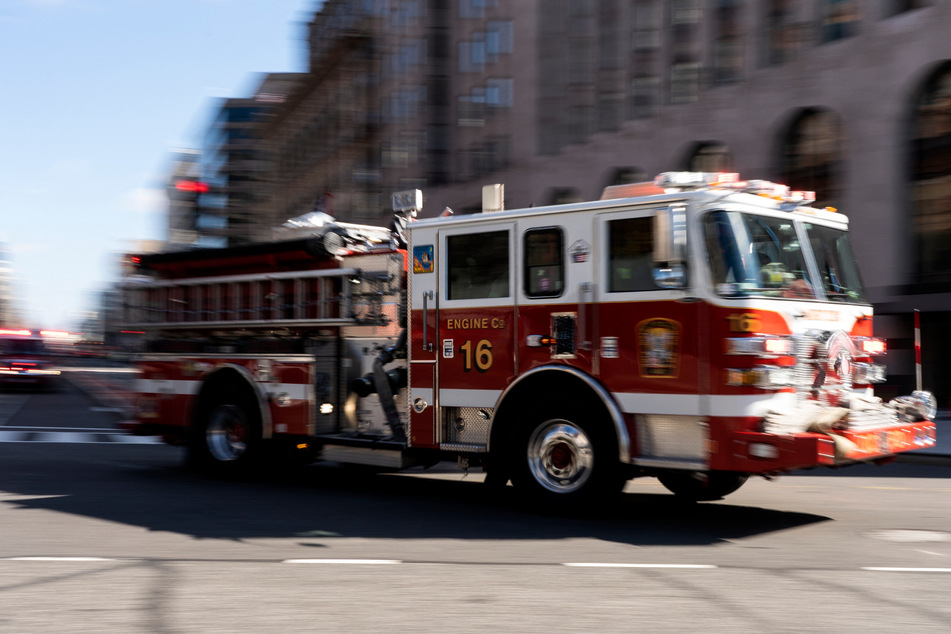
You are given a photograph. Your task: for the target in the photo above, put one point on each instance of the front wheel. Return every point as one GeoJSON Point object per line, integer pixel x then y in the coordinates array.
{"type": "Point", "coordinates": [702, 486]}
{"type": "Point", "coordinates": [565, 456]}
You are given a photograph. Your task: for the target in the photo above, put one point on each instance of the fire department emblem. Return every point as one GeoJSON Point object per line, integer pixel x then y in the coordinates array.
{"type": "Point", "coordinates": [423, 259]}
{"type": "Point", "coordinates": [658, 347]}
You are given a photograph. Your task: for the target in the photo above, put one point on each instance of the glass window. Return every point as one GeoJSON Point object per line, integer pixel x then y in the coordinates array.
{"type": "Point", "coordinates": [544, 263]}
{"type": "Point", "coordinates": [931, 176]}
{"type": "Point", "coordinates": [840, 19]}
{"type": "Point", "coordinates": [840, 275]}
{"type": "Point", "coordinates": [478, 265]}
{"type": "Point", "coordinates": [811, 155]}
{"type": "Point", "coordinates": [631, 255]}
{"type": "Point", "coordinates": [757, 255]}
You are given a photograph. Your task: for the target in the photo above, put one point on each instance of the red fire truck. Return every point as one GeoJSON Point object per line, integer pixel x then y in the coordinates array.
{"type": "Point", "coordinates": [698, 329]}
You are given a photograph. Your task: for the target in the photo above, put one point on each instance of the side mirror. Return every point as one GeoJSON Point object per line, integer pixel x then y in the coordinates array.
{"type": "Point", "coordinates": [670, 246]}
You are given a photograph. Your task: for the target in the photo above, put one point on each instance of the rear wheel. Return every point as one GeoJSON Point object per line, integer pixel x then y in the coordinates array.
{"type": "Point", "coordinates": [227, 437]}
{"type": "Point", "coordinates": [702, 486]}
{"type": "Point", "coordinates": [565, 456]}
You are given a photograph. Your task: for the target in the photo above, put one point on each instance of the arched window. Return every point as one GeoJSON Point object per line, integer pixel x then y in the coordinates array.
{"type": "Point", "coordinates": [811, 155]}
{"type": "Point", "coordinates": [710, 156]}
{"type": "Point", "coordinates": [626, 176]}
{"type": "Point", "coordinates": [931, 173]}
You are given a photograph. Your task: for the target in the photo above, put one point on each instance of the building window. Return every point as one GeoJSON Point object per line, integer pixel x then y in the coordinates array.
{"type": "Point", "coordinates": [840, 19]}
{"type": "Point", "coordinates": [631, 255]}
{"type": "Point", "coordinates": [478, 265]}
{"type": "Point", "coordinates": [811, 155]}
{"type": "Point", "coordinates": [544, 263]}
{"type": "Point", "coordinates": [931, 174]}
{"type": "Point", "coordinates": [710, 156]}
{"type": "Point", "coordinates": [895, 7]}
{"type": "Point", "coordinates": [728, 46]}
{"type": "Point", "coordinates": [685, 38]}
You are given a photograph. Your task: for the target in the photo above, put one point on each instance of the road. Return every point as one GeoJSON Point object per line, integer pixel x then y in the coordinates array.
{"type": "Point", "coordinates": [100, 534]}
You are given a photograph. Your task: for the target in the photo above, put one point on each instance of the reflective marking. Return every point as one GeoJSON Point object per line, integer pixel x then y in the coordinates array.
{"type": "Point", "coordinates": [369, 562]}
{"type": "Point", "coordinates": [883, 569]}
{"type": "Point", "coordinates": [469, 398]}
{"type": "Point", "coordinates": [58, 559]}
{"type": "Point", "coordinates": [606, 565]}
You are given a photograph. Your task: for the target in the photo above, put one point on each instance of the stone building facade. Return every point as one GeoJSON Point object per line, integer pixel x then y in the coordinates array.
{"type": "Point", "coordinates": [559, 98]}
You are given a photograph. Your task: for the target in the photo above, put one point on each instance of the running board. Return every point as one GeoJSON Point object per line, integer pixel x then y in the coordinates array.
{"type": "Point", "coordinates": [371, 452]}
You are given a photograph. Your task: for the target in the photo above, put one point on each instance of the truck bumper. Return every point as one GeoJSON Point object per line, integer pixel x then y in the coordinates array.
{"type": "Point", "coordinates": [762, 453]}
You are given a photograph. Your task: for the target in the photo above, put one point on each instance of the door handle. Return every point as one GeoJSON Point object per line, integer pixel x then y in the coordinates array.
{"type": "Point", "coordinates": [427, 346]}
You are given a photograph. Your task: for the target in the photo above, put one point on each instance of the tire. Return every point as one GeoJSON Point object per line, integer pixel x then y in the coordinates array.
{"type": "Point", "coordinates": [702, 486]}
{"type": "Point", "coordinates": [227, 436]}
{"type": "Point", "coordinates": [565, 456]}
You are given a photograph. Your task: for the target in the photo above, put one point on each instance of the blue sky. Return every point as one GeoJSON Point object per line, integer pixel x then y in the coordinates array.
{"type": "Point", "coordinates": [96, 94]}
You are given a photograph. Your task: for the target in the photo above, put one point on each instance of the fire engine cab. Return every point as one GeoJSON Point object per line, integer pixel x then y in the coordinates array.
{"type": "Point", "coordinates": [699, 329]}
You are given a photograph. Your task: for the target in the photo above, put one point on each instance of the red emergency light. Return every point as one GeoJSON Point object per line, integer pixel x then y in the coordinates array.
{"type": "Point", "coordinates": [197, 187]}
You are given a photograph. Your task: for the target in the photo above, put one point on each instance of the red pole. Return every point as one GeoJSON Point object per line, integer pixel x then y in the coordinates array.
{"type": "Point", "coordinates": [917, 350]}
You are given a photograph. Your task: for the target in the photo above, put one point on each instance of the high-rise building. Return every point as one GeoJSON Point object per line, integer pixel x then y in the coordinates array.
{"type": "Point", "coordinates": [232, 164]}
{"type": "Point", "coordinates": [8, 312]}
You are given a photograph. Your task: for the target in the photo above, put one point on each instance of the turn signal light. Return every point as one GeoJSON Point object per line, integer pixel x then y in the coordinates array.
{"type": "Point", "coordinates": [873, 346]}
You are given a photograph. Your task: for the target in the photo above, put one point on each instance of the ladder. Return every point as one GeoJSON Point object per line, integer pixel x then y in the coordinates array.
{"type": "Point", "coordinates": [261, 300]}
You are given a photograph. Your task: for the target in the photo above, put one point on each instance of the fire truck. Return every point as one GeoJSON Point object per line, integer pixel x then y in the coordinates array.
{"type": "Point", "coordinates": [25, 360]}
{"type": "Point", "coordinates": [699, 329]}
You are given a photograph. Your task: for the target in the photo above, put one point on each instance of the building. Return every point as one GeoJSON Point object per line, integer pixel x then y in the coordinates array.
{"type": "Point", "coordinates": [231, 166]}
{"type": "Point", "coordinates": [9, 316]}
{"type": "Point", "coordinates": [557, 99]}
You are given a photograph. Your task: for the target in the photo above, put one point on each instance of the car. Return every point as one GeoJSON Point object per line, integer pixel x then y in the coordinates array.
{"type": "Point", "coordinates": [25, 360]}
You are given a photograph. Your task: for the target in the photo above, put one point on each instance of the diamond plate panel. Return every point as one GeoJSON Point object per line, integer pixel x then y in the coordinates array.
{"type": "Point", "coordinates": [676, 437]}
{"type": "Point", "coordinates": [465, 425]}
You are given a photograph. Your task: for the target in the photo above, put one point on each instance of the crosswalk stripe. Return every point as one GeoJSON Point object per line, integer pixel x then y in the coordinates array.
{"type": "Point", "coordinates": [78, 437]}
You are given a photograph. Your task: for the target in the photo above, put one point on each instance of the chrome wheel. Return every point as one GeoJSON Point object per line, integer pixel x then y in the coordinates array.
{"type": "Point", "coordinates": [226, 433]}
{"type": "Point", "coordinates": [560, 456]}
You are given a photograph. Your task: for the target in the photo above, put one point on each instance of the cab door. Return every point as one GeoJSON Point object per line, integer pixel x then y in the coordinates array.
{"type": "Point", "coordinates": [475, 352]}
{"type": "Point", "coordinates": [648, 340]}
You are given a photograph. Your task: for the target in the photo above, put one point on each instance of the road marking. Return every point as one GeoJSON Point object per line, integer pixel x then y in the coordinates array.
{"type": "Point", "coordinates": [75, 437]}
{"type": "Point", "coordinates": [58, 559]}
{"type": "Point", "coordinates": [345, 562]}
{"type": "Point", "coordinates": [884, 569]}
{"type": "Point", "coordinates": [609, 565]}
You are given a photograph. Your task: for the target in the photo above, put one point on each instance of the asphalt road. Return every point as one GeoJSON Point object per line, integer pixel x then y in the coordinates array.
{"type": "Point", "coordinates": [100, 534]}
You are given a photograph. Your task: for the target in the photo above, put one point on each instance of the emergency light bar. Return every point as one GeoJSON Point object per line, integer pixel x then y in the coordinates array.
{"type": "Point", "coordinates": [686, 180]}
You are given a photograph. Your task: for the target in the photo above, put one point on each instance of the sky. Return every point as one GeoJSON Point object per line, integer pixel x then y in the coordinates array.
{"type": "Point", "coordinates": [95, 96]}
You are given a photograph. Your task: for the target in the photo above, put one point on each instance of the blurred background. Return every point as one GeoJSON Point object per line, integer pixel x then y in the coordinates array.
{"type": "Point", "coordinates": [557, 99]}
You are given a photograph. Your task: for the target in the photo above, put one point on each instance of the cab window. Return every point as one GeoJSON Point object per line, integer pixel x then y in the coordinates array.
{"type": "Point", "coordinates": [630, 255]}
{"type": "Point", "coordinates": [478, 265]}
{"type": "Point", "coordinates": [544, 263]}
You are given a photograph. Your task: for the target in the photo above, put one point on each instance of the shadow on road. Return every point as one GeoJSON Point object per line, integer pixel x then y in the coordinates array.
{"type": "Point", "coordinates": [327, 501]}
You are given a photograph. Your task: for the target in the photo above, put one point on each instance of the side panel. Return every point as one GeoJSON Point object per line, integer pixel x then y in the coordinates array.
{"type": "Point", "coordinates": [168, 385]}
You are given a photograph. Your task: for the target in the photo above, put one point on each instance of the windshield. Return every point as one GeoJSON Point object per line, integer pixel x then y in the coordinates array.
{"type": "Point", "coordinates": [836, 264]}
{"type": "Point", "coordinates": [22, 347]}
{"type": "Point", "coordinates": [754, 255]}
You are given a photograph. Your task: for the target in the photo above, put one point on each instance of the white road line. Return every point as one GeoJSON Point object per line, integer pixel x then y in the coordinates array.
{"type": "Point", "coordinates": [106, 437]}
{"type": "Point", "coordinates": [885, 569]}
{"type": "Point", "coordinates": [609, 565]}
{"type": "Point", "coordinates": [58, 559]}
{"type": "Point", "coordinates": [345, 562]}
